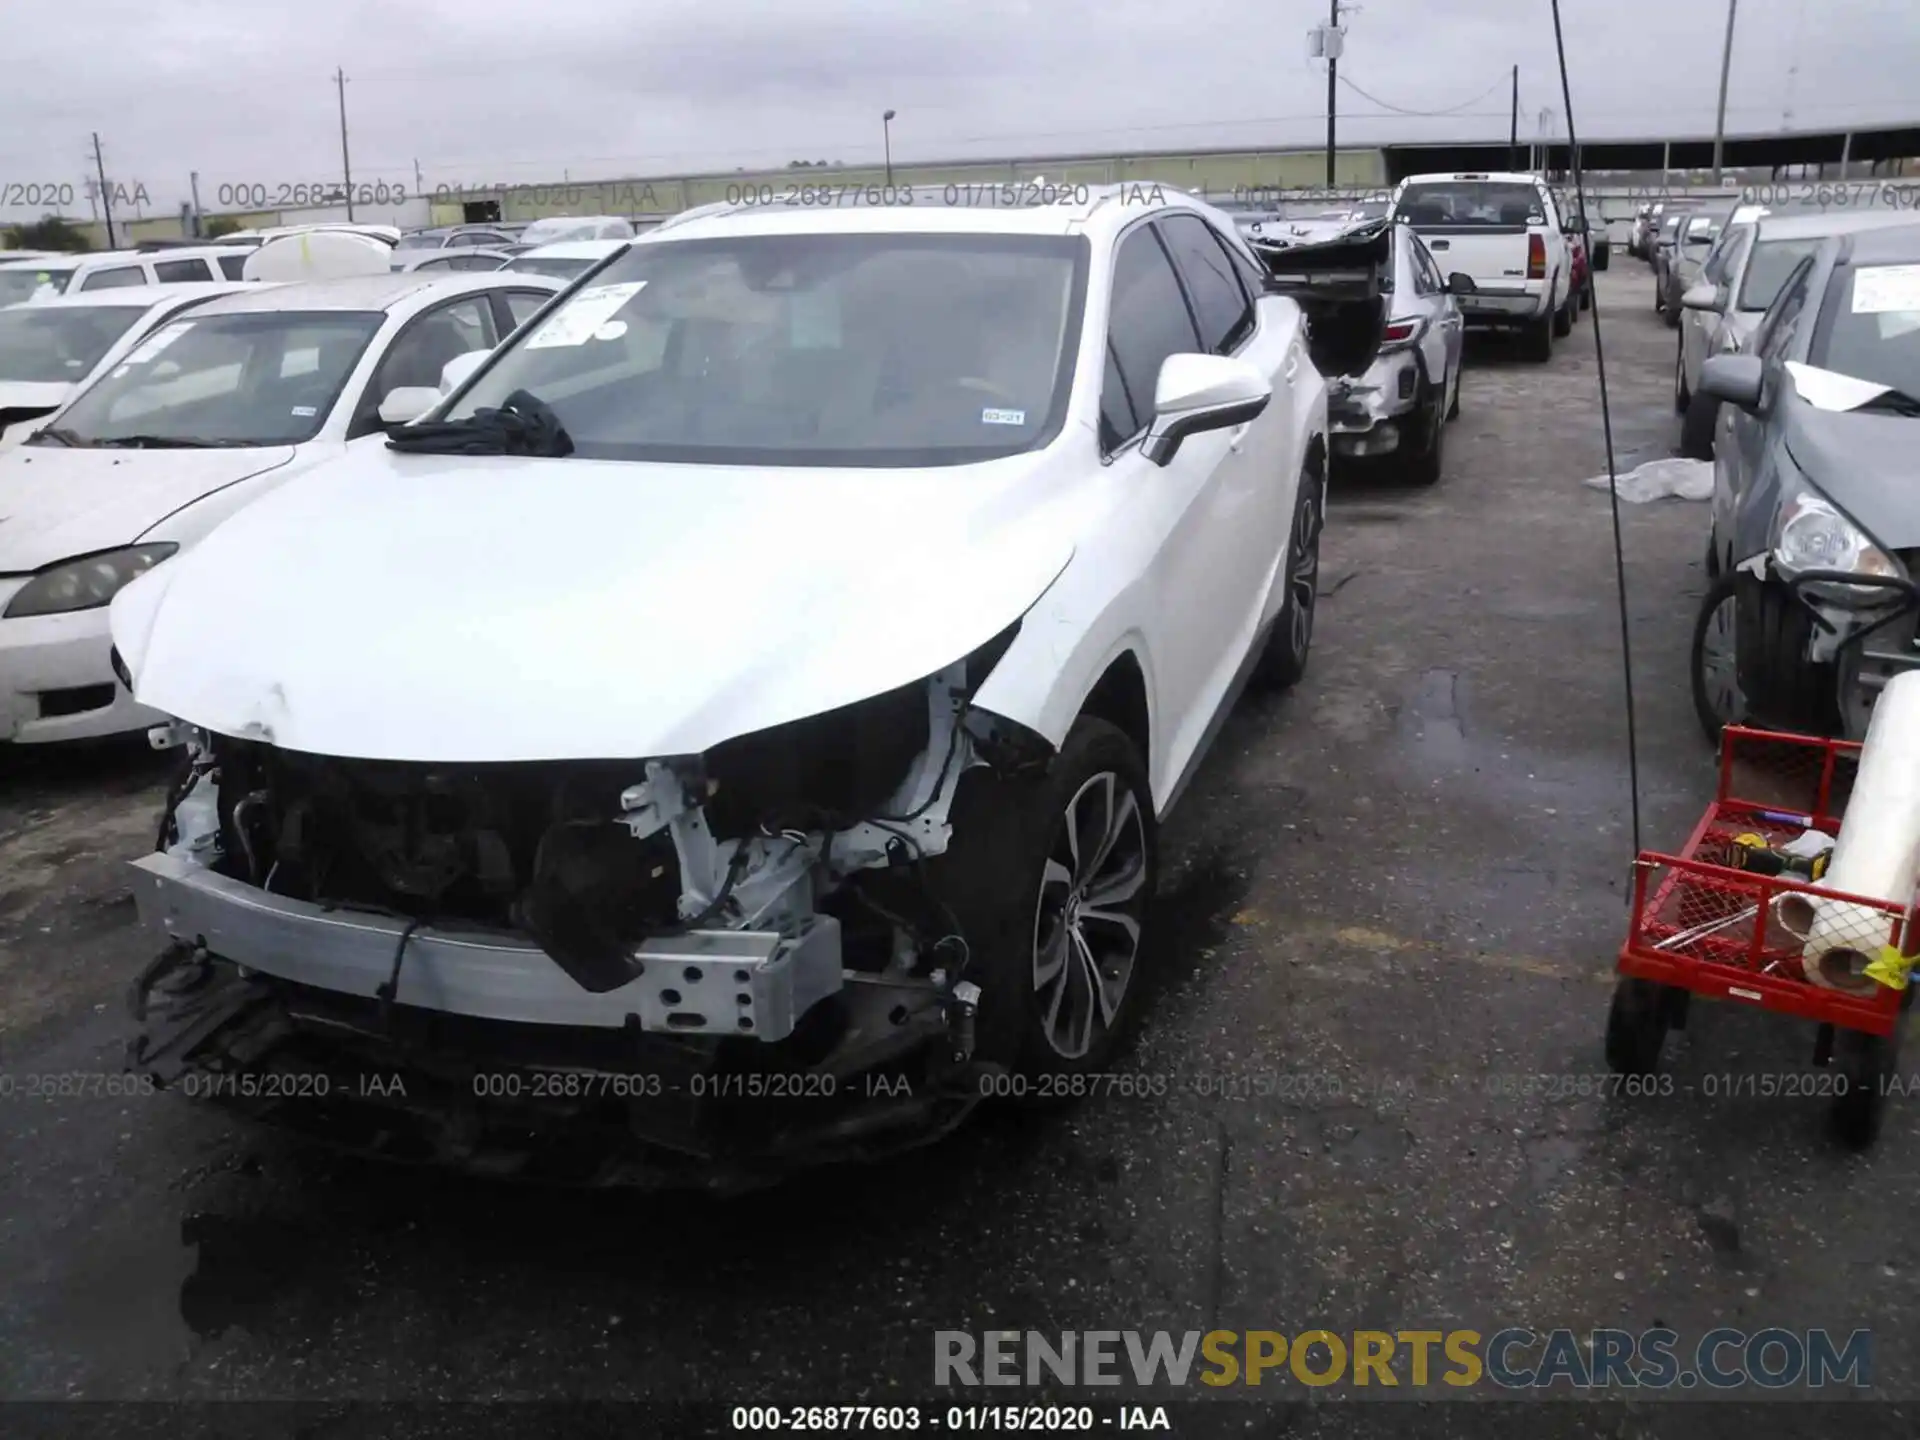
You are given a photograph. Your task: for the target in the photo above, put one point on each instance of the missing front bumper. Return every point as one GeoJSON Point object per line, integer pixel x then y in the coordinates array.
{"type": "Point", "coordinates": [751, 983]}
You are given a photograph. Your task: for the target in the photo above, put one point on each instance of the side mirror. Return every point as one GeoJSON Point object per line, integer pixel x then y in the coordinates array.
{"type": "Point", "coordinates": [1197, 393]}
{"type": "Point", "coordinates": [407, 403]}
{"type": "Point", "coordinates": [1736, 379]}
{"type": "Point", "coordinates": [456, 370]}
{"type": "Point", "coordinates": [1702, 295]}
{"type": "Point", "coordinates": [1460, 283]}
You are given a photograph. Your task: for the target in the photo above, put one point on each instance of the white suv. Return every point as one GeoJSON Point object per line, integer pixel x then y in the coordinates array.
{"type": "Point", "coordinates": [778, 655]}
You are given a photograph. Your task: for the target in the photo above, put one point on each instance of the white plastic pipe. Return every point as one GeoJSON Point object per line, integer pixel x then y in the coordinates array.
{"type": "Point", "coordinates": [1877, 853]}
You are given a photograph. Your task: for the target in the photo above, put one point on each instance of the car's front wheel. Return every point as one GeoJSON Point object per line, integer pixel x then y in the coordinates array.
{"type": "Point", "coordinates": [1717, 699]}
{"type": "Point", "coordinates": [1051, 878]}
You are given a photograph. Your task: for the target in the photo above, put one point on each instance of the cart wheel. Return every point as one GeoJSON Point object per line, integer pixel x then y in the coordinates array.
{"type": "Point", "coordinates": [1636, 1026]}
{"type": "Point", "coordinates": [1676, 1009]}
{"type": "Point", "coordinates": [1866, 1063]}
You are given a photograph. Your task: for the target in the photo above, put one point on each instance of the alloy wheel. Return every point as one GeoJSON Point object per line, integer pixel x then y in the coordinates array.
{"type": "Point", "coordinates": [1719, 675]}
{"type": "Point", "coordinates": [1086, 932]}
{"type": "Point", "coordinates": [1303, 570]}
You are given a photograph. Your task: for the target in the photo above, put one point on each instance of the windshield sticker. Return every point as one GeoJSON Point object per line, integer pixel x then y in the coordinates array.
{"type": "Point", "coordinates": [157, 342]}
{"type": "Point", "coordinates": [1003, 417]}
{"type": "Point", "coordinates": [1879, 289]}
{"type": "Point", "coordinates": [576, 322]}
{"type": "Point", "coordinates": [305, 412]}
{"type": "Point", "coordinates": [1830, 390]}
{"type": "Point", "coordinates": [612, 330]}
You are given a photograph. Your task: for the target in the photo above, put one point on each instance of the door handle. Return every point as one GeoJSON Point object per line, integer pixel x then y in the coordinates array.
{"type": "Point", "coordinates": [1439, 244]}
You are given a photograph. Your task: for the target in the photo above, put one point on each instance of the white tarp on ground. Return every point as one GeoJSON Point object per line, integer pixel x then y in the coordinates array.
{"type": "Point", "coordinates": [1658, 479]}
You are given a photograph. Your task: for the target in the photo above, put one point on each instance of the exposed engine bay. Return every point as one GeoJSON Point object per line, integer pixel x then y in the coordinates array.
{"type": "Point", "coordinates": [747, 954]}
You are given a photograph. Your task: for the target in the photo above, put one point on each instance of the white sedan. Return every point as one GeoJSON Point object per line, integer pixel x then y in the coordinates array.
{"type": "Point", "coordinates": [778, 654]}
{"type": "Point", "coordinates": [203, 416]}
{"type": "Point", "coordinates": [566, 259]}
{"type": "Point", "coordinates": [52, 349]}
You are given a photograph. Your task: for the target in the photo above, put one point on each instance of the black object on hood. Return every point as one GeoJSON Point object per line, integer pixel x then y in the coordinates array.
{"type": "Point", "coordinates": [522, 425]}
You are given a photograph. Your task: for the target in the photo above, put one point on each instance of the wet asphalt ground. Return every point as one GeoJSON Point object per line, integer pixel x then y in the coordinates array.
{"type": "Point", "coordinates": [1390, 908]}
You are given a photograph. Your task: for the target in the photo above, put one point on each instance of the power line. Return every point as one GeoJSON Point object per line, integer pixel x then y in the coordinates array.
{"type": "Point", "coordinates": [1347, 81]}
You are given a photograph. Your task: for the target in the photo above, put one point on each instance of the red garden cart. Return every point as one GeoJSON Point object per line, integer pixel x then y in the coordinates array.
{"type": "Point", "coordinates": [1705, 922]}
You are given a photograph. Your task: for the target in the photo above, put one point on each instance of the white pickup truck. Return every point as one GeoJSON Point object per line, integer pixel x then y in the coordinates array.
{"type": "Point", "coordinates": [1505, 234]}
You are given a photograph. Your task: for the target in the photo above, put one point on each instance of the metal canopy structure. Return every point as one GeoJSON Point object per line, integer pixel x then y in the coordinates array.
{"type": "Point", "coordinates": [1694, 152]}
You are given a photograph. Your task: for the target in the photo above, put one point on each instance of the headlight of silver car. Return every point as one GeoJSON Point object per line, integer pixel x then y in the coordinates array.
{"type": "Point", "coordinates": [1809, 533]}
{"type": "Point", "coordinates": [86, 583]}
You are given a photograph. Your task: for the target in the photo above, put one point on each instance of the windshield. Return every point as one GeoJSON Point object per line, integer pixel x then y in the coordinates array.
{"type": "Point", "coordinates": [257, 378]}
{"type": "Point", "coordinates": [23, 284]}
{"type": "Point", "coordinates": [563, 267]}
{"type": "Point", "coordinates": [1371, 209]}
{"type": "Point", "coordinates": [60, 344]}
{"type": "Point", "coordinates": [429, 241]}
{"type": "Point", "coordinates": [867, 350]}
{"type": "Point", "coordinates": [1471, 202]}
{"type": "Point", "coordinates": [1870, 326]}
{"type": "Point", "coordinates": [1703, 230]}
{"type": "Point", "coordinates": [1767, 271]}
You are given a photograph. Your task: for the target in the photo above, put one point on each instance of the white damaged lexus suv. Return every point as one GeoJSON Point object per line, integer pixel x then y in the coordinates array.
{"type": "Point", "coordinates": [729, 731]}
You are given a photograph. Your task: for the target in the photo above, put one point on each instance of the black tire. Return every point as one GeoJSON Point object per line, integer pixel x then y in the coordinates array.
{"type": "Point", "coordinates": [1636, 1026]}
{"type": "Point", "coordinates": [1563, 317]}
{"type": "Point", "coordinates": [1537, 341]}
{"type": "Point", "coordinates": [1864, 1064]}
{"type": "Point", "coordinates": [1453, 405]}
{"type": "Point", "coordinates": [1284, 660]}
{"type": "Point", "coordinates": [1603, 257]}
{"type": "Point", "coordinates": [1672, 312]}
{"type": "Point", "coordinates": [999, 877]}
{"type": "Point", "coordinates": [1781, 687]}
{"type": "Point", "coordinates": [1713, 706]}
{"type": "Point", "coordinates": [1424, 467]}
{"type": "Point", "coordinates": [1697, 428]}
{"type": "Point", "coordinates": [1586, 297]}
{"type": "Point", "coordinates": [1680, 393]}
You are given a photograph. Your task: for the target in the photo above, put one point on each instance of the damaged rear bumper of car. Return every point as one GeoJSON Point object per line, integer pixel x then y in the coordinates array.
{"type": "Point", "coordinates": [713, 975]}
{"type": "Point", "coordinates": [1366, 417]}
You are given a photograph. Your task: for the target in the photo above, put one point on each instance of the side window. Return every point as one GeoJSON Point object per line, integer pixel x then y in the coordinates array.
{"type": "Point", "coordinates": [430, 341]}
{"type": "Point", "coordinates": [1777, 333]}
{"type": "Point", "coordinates": [179, 272]}
{"type": "Point", "coordinates": [1118, 419]}
{"type": "Point", "coordinates": [1424, 280]}
{"type": "Point", "coordinates": [525, 304]}
{"type": "Point", "coordinates": [1724, 263]}
{"type": "Point", "coordinates": [233, 266]}
{"type": "Point", "coordinates": [1149, 322]}
{"type": "Point", "coordinates": [1219, 301]}
{"type": "Point", "coordinates": [1430, 266]}
{"type": "Point", "coordinates": [115, 278]}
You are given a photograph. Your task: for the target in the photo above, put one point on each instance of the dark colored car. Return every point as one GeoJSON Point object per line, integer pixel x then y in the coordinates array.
{"type": "Point", "coordinates": [1814, 544]}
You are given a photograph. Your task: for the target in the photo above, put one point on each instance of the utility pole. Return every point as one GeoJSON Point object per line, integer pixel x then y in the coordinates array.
{"type": "Point", "coordinates": [1513, 125]}
{"type": "Point", "coordinates": [419, 181]}
{"type": "Point", "coordinates": [346, 165]}
{"type": "Point", "coordinates": [1333, 75]}
{"type": "Point", "coordinates": [106, 201]}
{"type": "Point", "coordinates": [1720, 117]}
{"type": "Point", "coordinates": [193, 182]}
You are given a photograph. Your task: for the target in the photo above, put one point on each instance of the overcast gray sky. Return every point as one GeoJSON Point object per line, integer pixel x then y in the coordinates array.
{"type": "Point", "coordinates": [483, 91]}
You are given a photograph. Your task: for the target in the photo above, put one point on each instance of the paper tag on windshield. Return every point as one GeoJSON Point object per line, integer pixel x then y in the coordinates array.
{"type": "Point", "coordinates": [1829, 390]}
{"type": "Point", "coordinates": [158, 341]}
{"type": "Point", "coordinates": [1879, 289]}
{"type": "Point", "coordinates": [576, 322]}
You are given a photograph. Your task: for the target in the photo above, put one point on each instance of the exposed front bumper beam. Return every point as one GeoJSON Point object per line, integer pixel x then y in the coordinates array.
{"type": "Point", "coordinates": [747, 983]}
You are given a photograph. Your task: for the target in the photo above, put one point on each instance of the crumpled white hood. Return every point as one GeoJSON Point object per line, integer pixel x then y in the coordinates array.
{"type": "Point", "coordinates": [56, 503]}
{"type": "Point", "coordinates": [451, 608]}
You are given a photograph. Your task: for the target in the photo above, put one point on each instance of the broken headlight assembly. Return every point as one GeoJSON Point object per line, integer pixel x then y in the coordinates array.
{"type": "Point", "coordinates": [1810, 533]}
{"type": "Point", "coordinates": [86, 583]}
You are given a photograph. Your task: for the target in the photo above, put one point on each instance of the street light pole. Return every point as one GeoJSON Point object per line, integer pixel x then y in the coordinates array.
{"type": "Point", "coordinates": [1720, 117]}
{"type": "Point", "coordinates": [1333, 75]}
{"type": "Point", "coordinates": [886, 137]}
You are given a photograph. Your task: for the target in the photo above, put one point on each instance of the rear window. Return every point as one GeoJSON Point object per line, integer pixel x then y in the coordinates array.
{"type": "Point", "coordinates": [1471, 202]}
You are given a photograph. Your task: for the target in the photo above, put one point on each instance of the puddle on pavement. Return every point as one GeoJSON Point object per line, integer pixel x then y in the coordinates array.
{"type": "Point", "coordinates": [1431, 719]}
